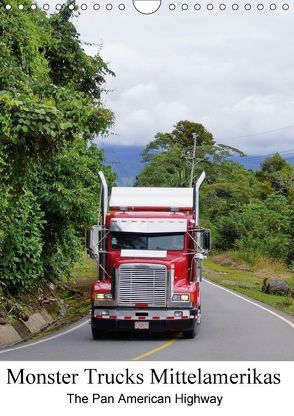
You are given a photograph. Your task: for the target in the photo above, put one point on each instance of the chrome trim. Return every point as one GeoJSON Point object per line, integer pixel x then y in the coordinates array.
{"type": "Point", "coordinates": [171, 275]}
{"type": "Point", "coordinates": [142, 283]}
{"type": "Point", "coordinates": [152, 225]}
{"type": "Point", "coordinates": [162, 314]}
{"type": "Point", "coordinates": [103, 303]}
{"type": "Point", "coordinates": [172, 304]}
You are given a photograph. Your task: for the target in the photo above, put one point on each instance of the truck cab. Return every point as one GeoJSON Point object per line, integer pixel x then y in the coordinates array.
{"type": "Point", "coordinates": [149, 250]}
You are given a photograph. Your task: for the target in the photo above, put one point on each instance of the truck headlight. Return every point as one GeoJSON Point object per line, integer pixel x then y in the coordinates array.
{"type": "Point", "coordinates": [178, 297]}
{"type": "Point", "coordinates": [102, 296]}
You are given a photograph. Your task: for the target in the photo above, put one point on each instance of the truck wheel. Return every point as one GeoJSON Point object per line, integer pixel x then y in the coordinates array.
{"type": "Point", "coordinates": [97, 334]}
{"type": "Point", "coordinates": [191, 333]}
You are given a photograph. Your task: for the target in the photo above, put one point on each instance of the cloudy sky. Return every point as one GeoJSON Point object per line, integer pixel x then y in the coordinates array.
{"type": "Point", "coordinates": [233, 71]}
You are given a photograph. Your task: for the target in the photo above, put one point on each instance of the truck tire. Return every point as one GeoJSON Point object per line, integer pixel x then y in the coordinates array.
{"type": "Point", "coordinates": [191, 333]}
{"type": "Point", "coordinates": [97, 334]}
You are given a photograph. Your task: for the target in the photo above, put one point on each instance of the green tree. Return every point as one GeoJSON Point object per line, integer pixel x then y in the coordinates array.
{"type": "Point", "coordinates": [22, 242]}
{"type": "Point", "coordinates": [278, 174]}
{"type": "Point", "coordinates": [69, 194]}
{"type": "Point", "coordinates": [262, 228]}
{"type": "Point", "coordinates": [170, 153]}
{"type": "Point", "coordinates": [51, 110]}
{"type": "Point", "coordinates": [233, 187]}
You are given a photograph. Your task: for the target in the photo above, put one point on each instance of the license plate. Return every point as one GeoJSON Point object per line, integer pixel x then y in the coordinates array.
{"type": "Point", "coordinates": [141, 325]}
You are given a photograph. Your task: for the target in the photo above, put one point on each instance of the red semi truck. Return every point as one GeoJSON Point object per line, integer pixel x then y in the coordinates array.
{"type": "Point", "coordinates": [149, 250]}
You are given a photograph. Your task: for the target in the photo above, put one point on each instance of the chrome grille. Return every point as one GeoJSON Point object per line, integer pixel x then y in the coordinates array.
{"type": "Point", "coordinates": [139, 283]}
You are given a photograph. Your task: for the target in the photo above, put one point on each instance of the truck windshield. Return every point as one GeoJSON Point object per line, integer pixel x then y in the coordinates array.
{"type": "Point", "coordinates": [140, 241]}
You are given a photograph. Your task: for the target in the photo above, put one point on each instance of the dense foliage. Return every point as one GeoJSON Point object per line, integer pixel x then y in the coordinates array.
{"type": "Point", "coordinates": [50, 109]}
{"type": "Point", "coordinates": [252, 212]}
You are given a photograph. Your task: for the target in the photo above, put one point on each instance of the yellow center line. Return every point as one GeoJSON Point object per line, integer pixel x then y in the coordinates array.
{"type": "Point", "coordinates": [155, 350]}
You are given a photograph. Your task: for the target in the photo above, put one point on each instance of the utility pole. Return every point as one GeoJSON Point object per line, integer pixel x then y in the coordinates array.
{"type": "Point", "coordinates": [193, 159]}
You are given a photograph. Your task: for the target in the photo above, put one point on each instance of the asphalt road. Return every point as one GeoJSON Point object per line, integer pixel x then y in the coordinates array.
{"type": "Point", "coordinates": [232, 328]}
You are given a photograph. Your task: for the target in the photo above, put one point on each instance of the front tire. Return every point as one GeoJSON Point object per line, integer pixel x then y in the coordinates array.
{"type": "Point", "coordinates": [191, 333]}
{"type": "Point", "coordinates": [97, 334]}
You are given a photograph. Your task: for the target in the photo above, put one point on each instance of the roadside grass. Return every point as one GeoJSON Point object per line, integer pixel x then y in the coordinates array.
{"type": "Point", "coordinates": [235, 274]}
{"type": "Point", "coordinates": [75, 295]}
{"type": "Point", "coordinates": [84, 273]}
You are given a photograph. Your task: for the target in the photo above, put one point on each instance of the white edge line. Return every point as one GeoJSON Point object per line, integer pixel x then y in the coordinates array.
{"type": "Point", "coordinates": [45, 339]}
{"type": "Point", "coordinates": [41, 341]}
{"type": "Point", "coordinates": [291, 324]}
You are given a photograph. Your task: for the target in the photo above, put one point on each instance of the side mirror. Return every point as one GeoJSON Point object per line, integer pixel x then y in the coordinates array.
{"type": "Point", "coordinates": [88, 237]}
{"type": "Point", "coordinates": [92, 240]}
{"type": "Point", "coordinates": [206, 240]}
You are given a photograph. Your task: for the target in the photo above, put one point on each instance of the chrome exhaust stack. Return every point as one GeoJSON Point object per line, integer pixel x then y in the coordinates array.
{"type": "Point", "coordinates": [104, 209]}
{"type": "Point", "coordinates": [196, 197]}
{"type": "Point", "coordinates": [104, 197]}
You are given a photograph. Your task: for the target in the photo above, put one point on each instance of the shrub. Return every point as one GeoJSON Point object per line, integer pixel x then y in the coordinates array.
{"type": "Point", "coordinates": [22, 225]}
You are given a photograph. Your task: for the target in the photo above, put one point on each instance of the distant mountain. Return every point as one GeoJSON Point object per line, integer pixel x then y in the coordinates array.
{"type": "Point", "coordinates": [126, 161]}
{"type": "Point", "coordinates": [253, 162]}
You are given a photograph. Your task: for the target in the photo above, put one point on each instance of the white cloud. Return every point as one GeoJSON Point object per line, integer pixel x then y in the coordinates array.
{"type": "Point", "coordinates": [141, 109]}
{"type": "Point", "coordinates": [139, 93]}
{"type": "Point", "coordinates": [232, 71]}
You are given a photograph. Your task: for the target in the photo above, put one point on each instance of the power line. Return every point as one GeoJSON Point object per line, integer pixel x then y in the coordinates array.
{"type": "Point", "coordinates": [127, 179]}
{"type": "Point", "coordinates": [287, 154]}
{"type": "Point", "coordinates": [121, 169]}
{"type": "Point", "coordinates": [257, 134]}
